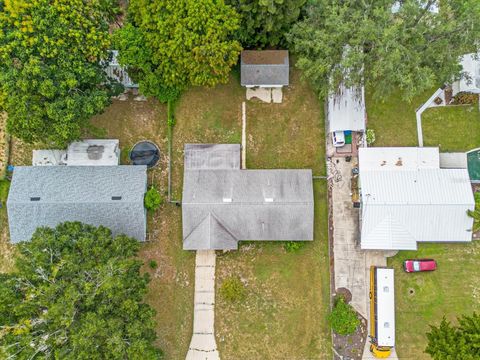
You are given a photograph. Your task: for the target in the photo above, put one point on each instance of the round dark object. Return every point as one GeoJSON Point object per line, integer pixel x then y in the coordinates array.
{"type": "Point", "coordinates": [145, 153]}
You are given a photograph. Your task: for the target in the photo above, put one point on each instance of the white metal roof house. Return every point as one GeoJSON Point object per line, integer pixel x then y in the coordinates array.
{"type": "Point", "coordinates": [407, 198]}
{"type": "Point", "coordinates": [264, 68]}
{"type": "Point", "coordinates": [470, 82]}
{"type": "Point", "coordinates": [111, 196]}
{"type": "Point", "coordinates": [346, 110]}
{"type": "Point", "coordinates": [222, 204]}
{"type": "Point", "coordinates": [89, 152]}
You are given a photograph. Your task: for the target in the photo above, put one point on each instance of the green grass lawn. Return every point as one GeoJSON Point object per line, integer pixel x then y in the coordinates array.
{"type": "Point", "coordinates": [287, 135]}
{"type": "Point", "coordinates": [451, 128]}
{"type": "Point", "coordinates": [287, 294]}
{"type": "Point", "coordinates": [424, 298]}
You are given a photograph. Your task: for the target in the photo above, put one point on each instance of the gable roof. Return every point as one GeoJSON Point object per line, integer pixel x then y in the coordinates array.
{"type": "Point", "coordinates": [346, 110]}
{"type": "Point", "coordinates": [222, 206]}
{"type": "Point", "coordinates": [111, 196]}
{"type": "Point", "coordinates": [413, 202]}
{"type": "Point", "coordinates": [211, 234]}
{"type": "Point", "coordinates": [264, 68]}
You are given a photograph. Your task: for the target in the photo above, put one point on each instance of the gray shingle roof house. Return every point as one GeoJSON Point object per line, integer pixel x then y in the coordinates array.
{"type": "Point", "coordinates": [264, 68]}
{"type": "Point", "coordinates": [111, 196]}
{"type": "Point", "coordinates": [223, 205]}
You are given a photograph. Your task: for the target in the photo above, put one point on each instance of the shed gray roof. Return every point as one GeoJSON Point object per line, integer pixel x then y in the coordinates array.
{"type": "Point", "coordinates": [49, 195]}
{"type": "Point", "coordinates": [264, 68]}
{"type": "Point", "coordinates": [223, 206]}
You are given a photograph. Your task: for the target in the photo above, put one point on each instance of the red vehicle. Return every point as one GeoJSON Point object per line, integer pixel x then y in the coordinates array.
{"type": "Point", "coordinates": [416, 265]}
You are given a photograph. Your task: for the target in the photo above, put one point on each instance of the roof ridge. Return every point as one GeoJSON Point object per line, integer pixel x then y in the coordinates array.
{"type": "Point", "coordinates": [220, 223]}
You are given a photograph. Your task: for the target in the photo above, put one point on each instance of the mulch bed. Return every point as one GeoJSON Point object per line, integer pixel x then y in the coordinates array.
{"type": "Point", "coordinates": [3, 144]}
{"type": "Point", "coordinates": [351, 346]}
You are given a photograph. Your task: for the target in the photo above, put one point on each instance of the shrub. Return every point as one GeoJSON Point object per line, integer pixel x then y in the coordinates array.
{"type": "Point", "coordinates": [4, 186]}
{"type": "Point", "coordinates": [464, 98]}
{"type": "Point", "coordinates": [343, 318]}
{"type": "Point", "coordinates": [232, 289]}
{"type": "Point", "coordinates": [293, 246]}
{"type": "Point", "coordinates": [152, 264]}
{"type": "Point", "coordinates": [153, 199]}
{"type": "Point", "coordinates": [475, 214]}
{"type": "Point", "coordinates": [370, 136]}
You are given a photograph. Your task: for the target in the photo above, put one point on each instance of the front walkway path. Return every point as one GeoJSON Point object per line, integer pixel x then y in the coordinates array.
{"type": "Point", "coordinates": [203, 345]}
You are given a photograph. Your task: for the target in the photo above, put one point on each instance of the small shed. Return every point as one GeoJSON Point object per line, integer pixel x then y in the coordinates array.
{"type": "Point", "coordinates": [264, 68]}
{"type": "Point", "coordinates": [470, 81]}
{"type": "Point", "coordinates": [346, 110]}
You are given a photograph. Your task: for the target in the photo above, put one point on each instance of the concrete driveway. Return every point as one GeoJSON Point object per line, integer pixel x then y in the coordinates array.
{"type": "Point", "coordinates": [351, 264]}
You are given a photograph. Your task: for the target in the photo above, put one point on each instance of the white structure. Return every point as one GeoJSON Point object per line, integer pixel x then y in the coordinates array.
{"type": "Point", "coordinates": [346, 110]}
{"type": "Point", "coordinates": [385, 293]}
{"type": "Point", "coordinates": [470, 82]}
{"type": "Point", "coordinates": [90, 152]}
{"type": "Point", "coordinates": [433, 8]}
{"type": "Point", "coordinates": [407, 198]}
{"type": "Point", "coordinates": [117, 72]}
{"type": "Point", "coordinates": [456, 160]}
{"type": "Point", "coordinates": [48, 157]}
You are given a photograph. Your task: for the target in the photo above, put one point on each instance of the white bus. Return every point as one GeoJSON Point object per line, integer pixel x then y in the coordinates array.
{"type": "Point", "coordinates": [382, 311]}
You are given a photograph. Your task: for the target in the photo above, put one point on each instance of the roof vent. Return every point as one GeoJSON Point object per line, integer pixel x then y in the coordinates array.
{"type": "Point", "coordinates": [116, 198]}
{"type": "Point", "coordinates": [36, 198]}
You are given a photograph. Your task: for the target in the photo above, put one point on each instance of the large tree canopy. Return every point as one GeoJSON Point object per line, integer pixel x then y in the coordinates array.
{"type": "Point", "coordinates": [76, 294]}
{"type": "Point", "coordinates": [364, 42]}
{"type": "Point", "coordinates": [265, 22]}
{"type": "Point", "coordinates": [449, 342]}
{"type": "Point", "coordinates": [168, 45]}
{"type": "Point", "coordinates": [51, 78]}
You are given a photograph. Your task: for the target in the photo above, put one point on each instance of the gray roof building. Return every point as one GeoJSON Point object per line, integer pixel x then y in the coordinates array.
{"type": "Point", "coordinates": [111, 196]}
{"type": "Point", "coordinates": [222, 204]}
{"type": "Point", "coordinates": [264, 68]}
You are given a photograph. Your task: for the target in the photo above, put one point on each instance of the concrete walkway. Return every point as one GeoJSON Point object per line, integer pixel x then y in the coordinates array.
{"type": "Point", "coordinates": [349, 260]}
{"type": "Point", "coordinates": [203, 345]}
